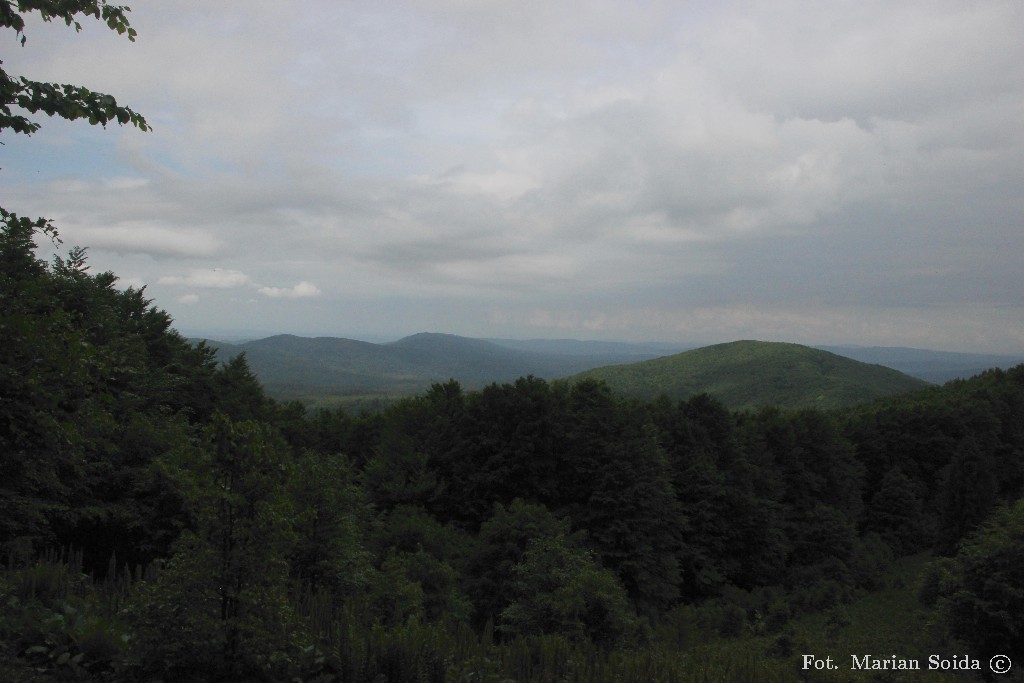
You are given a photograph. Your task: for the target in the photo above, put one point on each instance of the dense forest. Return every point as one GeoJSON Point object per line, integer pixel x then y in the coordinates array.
{"type": "Point", "coordinates": [165, 520]}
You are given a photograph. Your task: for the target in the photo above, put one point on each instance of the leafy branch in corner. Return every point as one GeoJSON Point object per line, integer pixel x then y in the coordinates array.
{"type": "Point", "coordinates": [20, 96]}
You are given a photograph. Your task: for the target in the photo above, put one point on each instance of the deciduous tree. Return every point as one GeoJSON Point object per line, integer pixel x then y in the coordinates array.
{"type": "Point", "coordinates": [981, 596]}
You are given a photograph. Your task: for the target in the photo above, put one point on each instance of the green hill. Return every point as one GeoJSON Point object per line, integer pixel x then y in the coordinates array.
{"type": "Point", "coordinates": [750, 374]}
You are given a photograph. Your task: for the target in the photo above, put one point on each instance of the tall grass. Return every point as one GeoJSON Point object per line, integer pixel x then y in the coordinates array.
{"type": "Point", "coordinates": [353, 649]}
{"type": "Point", "coordinates": [84, 639]}
{"type": "Point", "coordinates": [58, 619]}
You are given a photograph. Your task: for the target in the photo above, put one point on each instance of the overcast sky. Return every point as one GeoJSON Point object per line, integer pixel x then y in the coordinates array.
{"type": "Point", "coordinates": [806, 171]}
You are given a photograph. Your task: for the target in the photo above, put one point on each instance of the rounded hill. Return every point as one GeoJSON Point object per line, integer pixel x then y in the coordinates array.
{"type": "Point", "coordinates": [750, 374]}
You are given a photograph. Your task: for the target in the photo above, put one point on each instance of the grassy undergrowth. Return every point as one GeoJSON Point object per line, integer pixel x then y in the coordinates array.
{"type": "Point", "coordinates": [687, 648]}
{"type": "Point", "coordinates": [883, 623]}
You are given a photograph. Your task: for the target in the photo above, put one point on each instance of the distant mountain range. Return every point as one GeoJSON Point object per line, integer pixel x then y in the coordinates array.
{"type": "Point", "coordinates": [311, 369]}
{"type": "Point", "coordinates": [306, 368]}
{"type": "Point", "coordinates": [751, 374]}
{"type": "Point", "coordinates": [937, 367]}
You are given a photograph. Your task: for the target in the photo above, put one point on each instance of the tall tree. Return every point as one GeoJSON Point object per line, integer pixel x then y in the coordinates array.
{"type": "Point", "coordinates": [896, 513]}
{"type": "Point", "coordinates": [732, 534]}
{"type": "Point", "coordinates": [93, 387]}
{"type": "Point", "coordinates": [43, 379]}
{"type": "Point", "coordinates": [982, 598]}
{"type": "Point", "coordinates": [41, 346]}
{"type": "Point", "coordinates": [506, 448]}
{"type": "Point", "coordinates": [331, 521]}
{"type": "Point", "coordinates": [220, 610]}
{"type": "Point", "coordinates": [618, 488]}
{"type": "Point", "coordinates": [968, 493]}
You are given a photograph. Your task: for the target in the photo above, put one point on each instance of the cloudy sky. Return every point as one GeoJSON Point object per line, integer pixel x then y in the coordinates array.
{"type": "Point", "coordinates": [817, 172]}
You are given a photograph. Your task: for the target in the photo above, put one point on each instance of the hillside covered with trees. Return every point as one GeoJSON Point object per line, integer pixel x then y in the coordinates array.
{"type": "Point", "coordinates": [753, 374]}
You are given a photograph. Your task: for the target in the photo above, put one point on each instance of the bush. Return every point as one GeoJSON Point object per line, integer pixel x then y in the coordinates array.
{"type": "Point", "coordinates": [560, 589]}
{"type": "Point", "coordinates": [838, 619]}
{"type": "Point", "coordinates": [783, 646]}
{"type": "Point", "coordinates": [777, 614]}
{"type": "Point", "coordinates": [73, 639]}
{"type": "Point", "coordinates": [821, 595]}
{"type": "Point", "coordinates": [932, 579]}
{"type": "Point", "coordinates": [733, 621]}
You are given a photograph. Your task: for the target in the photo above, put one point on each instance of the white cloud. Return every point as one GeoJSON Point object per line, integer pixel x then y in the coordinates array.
{"type": "Point", "coordinates": [302, 290]}
{"type": "Point", "coordinates": [188, 299]}
{"type": "Point", "coordinates": [213, 278]}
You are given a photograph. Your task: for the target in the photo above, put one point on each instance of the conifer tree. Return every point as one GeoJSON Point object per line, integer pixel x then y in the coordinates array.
{"type": "Point", "coordinates": [896, 513]}
{"type": "Point", "coordinates": [968, 493]}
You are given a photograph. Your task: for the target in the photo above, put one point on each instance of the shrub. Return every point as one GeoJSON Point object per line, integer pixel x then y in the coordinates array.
{"type": "Point", "coordinates": [560, 589]}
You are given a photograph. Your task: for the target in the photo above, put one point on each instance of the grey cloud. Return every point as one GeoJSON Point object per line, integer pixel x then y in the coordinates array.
{"type": "Point", "coordinates": [866, 60]}
{"type": "Point", "coordinates": [148, 239]}
{"type": "Point", "coordinates": [657, 170]}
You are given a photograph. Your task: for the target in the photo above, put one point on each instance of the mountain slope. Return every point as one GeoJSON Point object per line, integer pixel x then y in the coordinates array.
{"type": "Point", "coordinates": [931, 366]}
{"type": "Point", "coordinates": [469, 360]}
{"type": "Point", "coordinates": [750, 374]}
{"type": "Point", "coordinates": [574, 347]}
{"type": "Point", "coordinates": [291, 367]}
{"type": "Point", "coordinates": [301, 367]}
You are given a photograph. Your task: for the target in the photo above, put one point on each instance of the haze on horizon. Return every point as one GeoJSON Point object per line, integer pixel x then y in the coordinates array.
{"type": "Point", "coordinates": [822, 173]}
